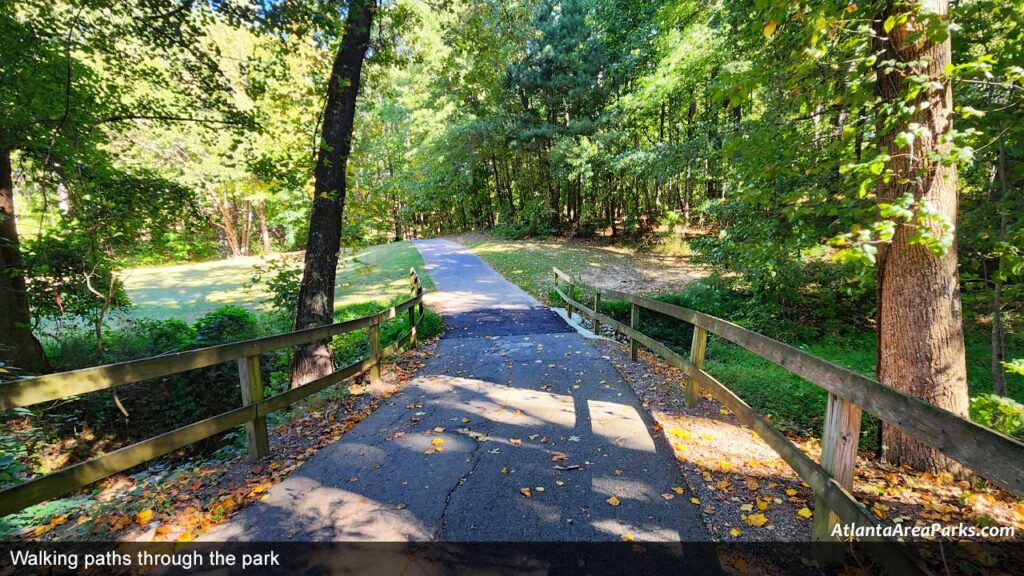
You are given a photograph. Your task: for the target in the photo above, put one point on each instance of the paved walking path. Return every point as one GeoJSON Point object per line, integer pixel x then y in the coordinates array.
{"type": "Point", "coordinates": [523, 404]}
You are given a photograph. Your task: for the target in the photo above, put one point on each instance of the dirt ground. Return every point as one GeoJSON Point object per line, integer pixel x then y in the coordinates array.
{"type": "Point", "coordinates": [528, 263]}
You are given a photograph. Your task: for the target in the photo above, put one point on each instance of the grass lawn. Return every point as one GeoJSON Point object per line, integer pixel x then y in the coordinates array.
{"type": "Point", "coordinates": [527, 263]}
{"type": "Point", "coordinates": [188, 291]}
{"type": "Point", "coordinates": [789, 399]}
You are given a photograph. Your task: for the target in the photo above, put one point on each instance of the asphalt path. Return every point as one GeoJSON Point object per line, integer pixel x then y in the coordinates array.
{"type": "Point", "coordinates": [517, 430]}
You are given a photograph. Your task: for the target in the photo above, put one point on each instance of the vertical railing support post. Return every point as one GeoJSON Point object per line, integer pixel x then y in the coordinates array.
{"type": "Point", "coordinates": [697, 349]}
{"type": "Point", "coordinates": [412, 309]}
{"type": "Point", "coordinates": [568, 306]}
{"type": "Point", "coordinates": [634, 323]}
{"type": "Point", "coordinates": [251, 380]}
{"type": "Point", "coordinates": [373, 337]}
{"type": "Point", "coordinates": [838, 457]}
{"type": "Point", "coordinates": [597, 310]}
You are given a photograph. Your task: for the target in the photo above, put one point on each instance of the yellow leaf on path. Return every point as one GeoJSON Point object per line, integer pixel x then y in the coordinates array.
{"type": "Point", "coordinates": [43, 530]}
{"type": "Point", "coordinates": [465, 420]}
{"type": "Point", "coordinates": [438, 429]}
{"type": "Point", "coordinates": [437, 441]}
{"type": "Point", "coordinates": [680, 433]}
{"type": "Point", "coordinates": [526, 492]}
{"type": "Point", "coordinates": [558, 456]}
{"type": "Point", "coordinates": [756, 520]}
{"type": "Point", "coordinates": [144, 516]}
{"type": "Point", "coordinates": [735, 532]}
{"type": "Point", "coordinates": [186, 537]}
{"type": "Point", "coordinates": [752, 485]}
{"type": "Point", "coordinates": [614, 501]}
{"type": "Point", "coordinates": [695, 500]}
{"type": "Point", "coordinates": [804, 512]}
{"type": "Point", "coordinates": [678, 489]}
{"type": "Point", "coordinates": [790, 492]}
{"type": "Point", "coordinates": [668, 496]}
{"type": "Point", "coordinates": [504, 470]}
{"type": "Point", "coordinates": [627, 537]}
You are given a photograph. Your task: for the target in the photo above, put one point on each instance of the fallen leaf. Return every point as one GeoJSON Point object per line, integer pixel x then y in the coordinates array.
{"type": "Point", "coordinates": [526, 492]}
{"type": "Point", "coordinates": [678, 489]}
{"type": "Point", "coordinates": [804, 512]}
{"type": "Point", "coordinates": [437, 441]}
{"type": "Point", "coordinates": [558, 457]}
{"type": "Point", "coordinates": [614, 501]}
{"type": "Point", "coordinates": [144, 516]}
{"type": "Point", "coordinates": [756, 520]}
{"type": "Point", "coordinates": [790, 492]}
{"type": "Point", "coordinates": [504, 470]}
{"type": "Point", "coordinates": [627, 537]}
{"type": "Point", "coordinates": [695, 500]}
{"type": "Point", "coordinates": [668, 496]}
{"type": "Point", "coordinates": [735, 532]}
{"type": "Point", "coordinates": [752, 485]}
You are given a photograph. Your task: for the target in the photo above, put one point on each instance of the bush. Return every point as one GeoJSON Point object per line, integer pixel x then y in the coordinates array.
{"type": "Point", "coordinates": [225, 325]}
{"type": "Point", "coordinates": [282, 278]}
{"type": "Point", "coordinates": [999, 413]}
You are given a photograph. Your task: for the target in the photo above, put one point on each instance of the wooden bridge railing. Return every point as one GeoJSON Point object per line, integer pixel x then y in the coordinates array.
{"type": "Point", "coordinates": [252, 414]}
{"type": "Point", "coordinates": [992, 455]}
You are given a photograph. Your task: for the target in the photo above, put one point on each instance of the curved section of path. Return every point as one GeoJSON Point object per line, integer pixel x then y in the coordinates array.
{"type": "Point", "coordinates": [516, 430]}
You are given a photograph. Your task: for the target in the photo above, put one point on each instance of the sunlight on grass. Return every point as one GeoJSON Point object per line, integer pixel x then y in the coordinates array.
{"type": "Point", "coordinates": [188, 291]}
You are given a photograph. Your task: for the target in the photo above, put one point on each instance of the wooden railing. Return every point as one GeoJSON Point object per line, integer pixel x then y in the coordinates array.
{"type": "Point", "coordinates": [997, 457]}
{"type": "Point", "coordinates": [252, 414]}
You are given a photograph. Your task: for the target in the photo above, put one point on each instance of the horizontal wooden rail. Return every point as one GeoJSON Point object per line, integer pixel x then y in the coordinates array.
{"type": "Point", "coordinates": [994, 456]}
{"type": "Point", "coordinates": [960, 439]}
{"type": "Point", "coordinates": [21, 393]}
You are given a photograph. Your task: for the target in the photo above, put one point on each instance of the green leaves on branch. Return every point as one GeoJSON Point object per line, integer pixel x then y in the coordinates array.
{"type": "Point", "coordinates": [928, 227]}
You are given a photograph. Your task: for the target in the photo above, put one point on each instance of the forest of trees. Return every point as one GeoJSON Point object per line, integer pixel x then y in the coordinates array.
{"type": "Point", "coordinates": [852, 148]}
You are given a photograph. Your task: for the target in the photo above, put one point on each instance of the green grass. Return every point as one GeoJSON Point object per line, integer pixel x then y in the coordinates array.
{"type": "Point", "coordinates": [188, 291]}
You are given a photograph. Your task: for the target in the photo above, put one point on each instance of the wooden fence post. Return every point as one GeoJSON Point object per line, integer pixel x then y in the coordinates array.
{"type": "Point", "coordinates": [634, 322]}
{"type": "Point", "coordinates": [697, 349]}
{"type": "Point", "coordinates": [568, 306]}
{"type": "Point", "coordinates": [251, 380]}
{"type": "Point", "coordinates": [838, 457]}
{"type": "Point", "coordinates": [373, 337]}
{"type": "Point", "coordinates": [597, 310]}
{"type": "Point", "coordinates": [412, 313]}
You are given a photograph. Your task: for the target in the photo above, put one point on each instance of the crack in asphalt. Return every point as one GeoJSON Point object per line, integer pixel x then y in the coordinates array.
{"type": "Point", "coordinates": [477, 456]}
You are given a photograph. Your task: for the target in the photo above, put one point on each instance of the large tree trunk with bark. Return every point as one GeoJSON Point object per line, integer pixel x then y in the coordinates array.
{"type": "Point", "coordinates": [18, 347]}
{"type": "Point", "coordinates": [316, 294]}
{"type": "Point", "coordinates": [920, 329]}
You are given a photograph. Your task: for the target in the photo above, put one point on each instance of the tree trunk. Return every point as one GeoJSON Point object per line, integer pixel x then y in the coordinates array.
{"type": "Point", "coordinates": [920, 330]}
{"type": "Point", "coordinates": [261, 211]}
{"type": "Point", "coordinates": [998, 329]}
{"type": "Point", "coordinates": [316, 294]}
{"type": "Point", "coordinates": [18, 347]}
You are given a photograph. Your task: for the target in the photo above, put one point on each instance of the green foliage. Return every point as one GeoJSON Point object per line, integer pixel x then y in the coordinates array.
{"type": "Point", "coordinates": [999, 413]}
{"type": "Point", "coordinates": [69, 277]}
{"type": "Point", "coordinates": [225, 325]}
{"type": "Point", "coordinates": [281, 279]}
